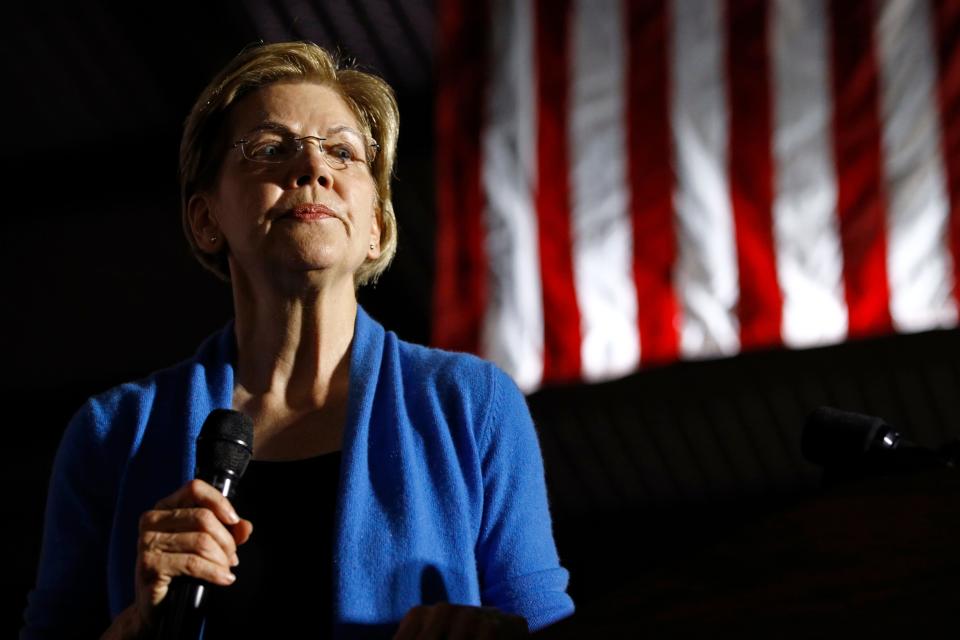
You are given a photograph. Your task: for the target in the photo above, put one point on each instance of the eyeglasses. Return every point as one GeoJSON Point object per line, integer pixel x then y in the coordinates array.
{"type": "Point", "coordinates": [339, 150]}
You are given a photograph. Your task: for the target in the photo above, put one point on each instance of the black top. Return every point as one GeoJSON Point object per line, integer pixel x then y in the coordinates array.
{"type": "Point", "coordinates": [284, 580]}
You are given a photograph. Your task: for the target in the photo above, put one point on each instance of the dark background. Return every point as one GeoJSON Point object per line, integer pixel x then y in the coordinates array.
{"type": "Point", "coordinates": [647, 475]}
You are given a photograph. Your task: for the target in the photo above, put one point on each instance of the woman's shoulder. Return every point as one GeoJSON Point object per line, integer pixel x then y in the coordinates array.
{"type": "Point", "coordinates": [441, 361]}
{"type": "Point", "coordinates": [110, 418]}
{"type": "Point", "coordinates": [442, 368]}
{"type": "Point", "coordinates": [463, 384]}
{"type": "Point", "coordinates": [429, 367]}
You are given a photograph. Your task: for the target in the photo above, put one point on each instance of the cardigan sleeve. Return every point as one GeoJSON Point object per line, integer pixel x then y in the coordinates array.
{"type": "Point", "coordinates": [519, 568]}
{"type": "Point", "coordinates": [70, 596]}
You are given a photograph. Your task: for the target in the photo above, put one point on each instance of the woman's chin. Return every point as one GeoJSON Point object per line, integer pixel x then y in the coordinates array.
{"type": "Point", "coordinates": [316, 271]}
{"type": "Point", "coordinates": [320, 264]}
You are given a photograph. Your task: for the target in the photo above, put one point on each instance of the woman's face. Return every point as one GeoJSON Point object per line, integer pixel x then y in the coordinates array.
{"type": "Point", "coordinates": [299, 217]}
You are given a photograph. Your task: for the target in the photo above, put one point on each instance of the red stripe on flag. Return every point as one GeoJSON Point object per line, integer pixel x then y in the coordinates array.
{"type": "Point", "coordinates": [460, 285]}
{"type": "Point", "coordinates": [947, 20]}
{"type": "Point", "coordinates": [861, 205]}
{"type": "Point", "coordinates": [750, 165]}
{"type": "Point", "coordinates": [561, 315]}
{"type": "Point", "coordinates": [652, 180]}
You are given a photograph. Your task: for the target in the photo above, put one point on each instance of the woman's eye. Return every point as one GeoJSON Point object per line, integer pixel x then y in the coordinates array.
{"type": "Point", "coordinates": [341, 152]}
{"type": "Point", "coordinates": [268, 150]}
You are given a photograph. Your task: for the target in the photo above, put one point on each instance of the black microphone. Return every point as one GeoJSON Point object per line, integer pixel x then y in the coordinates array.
{"type": "Point", "coordinates": [224, 447]}
{"type": "Point", "coordinates": [836, 439]}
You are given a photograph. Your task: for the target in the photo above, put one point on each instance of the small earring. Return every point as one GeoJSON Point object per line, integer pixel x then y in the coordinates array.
{"type": "Point", "coordinates": [371, 247]}
{"type": "Point", "coordinates": [213, 239]}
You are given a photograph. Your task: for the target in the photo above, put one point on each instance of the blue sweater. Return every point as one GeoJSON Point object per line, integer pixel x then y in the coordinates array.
{"type": "Point", "coordinates": [442, 494]}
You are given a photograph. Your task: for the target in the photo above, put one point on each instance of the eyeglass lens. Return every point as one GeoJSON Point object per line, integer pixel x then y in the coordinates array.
{"type": "Point", "coordinates": [339, 150]}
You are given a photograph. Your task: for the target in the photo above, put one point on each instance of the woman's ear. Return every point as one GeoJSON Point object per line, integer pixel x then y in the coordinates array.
{"type": "Point", "coordinates": [373, 250]}
{"type": "Point", "coordinates": [203, 224]}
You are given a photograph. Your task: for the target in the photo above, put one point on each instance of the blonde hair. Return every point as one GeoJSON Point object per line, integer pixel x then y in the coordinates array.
{"type": "Point", "coordinates": [369, 98]}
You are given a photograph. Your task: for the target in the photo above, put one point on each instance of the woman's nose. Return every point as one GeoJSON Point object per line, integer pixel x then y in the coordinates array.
{"type": "Point", "coordinates": [310, 166]}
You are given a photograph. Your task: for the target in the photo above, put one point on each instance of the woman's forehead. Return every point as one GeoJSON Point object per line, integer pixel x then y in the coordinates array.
{"type": "Point", "coordinates": [304, 107]}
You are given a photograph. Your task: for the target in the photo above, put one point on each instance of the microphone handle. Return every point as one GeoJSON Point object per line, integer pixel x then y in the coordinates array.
{"type": "Point", "coordinates": [184, 609]}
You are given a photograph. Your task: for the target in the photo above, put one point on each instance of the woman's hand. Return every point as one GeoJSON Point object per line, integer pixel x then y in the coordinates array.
{"type": "Point", "coordinates": [460, 622]}
{"type": "Point", "coordinates": [192, 532]}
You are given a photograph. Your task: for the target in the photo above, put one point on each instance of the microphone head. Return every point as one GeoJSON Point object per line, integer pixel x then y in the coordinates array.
{"type": "Point", "coordinates": [832, 437]}
{"type": "Point", "coordinates": [225, 444]}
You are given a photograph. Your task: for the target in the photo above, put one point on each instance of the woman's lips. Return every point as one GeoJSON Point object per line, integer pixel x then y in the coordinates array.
{"type": "Point", "coordinates": [311, 212]}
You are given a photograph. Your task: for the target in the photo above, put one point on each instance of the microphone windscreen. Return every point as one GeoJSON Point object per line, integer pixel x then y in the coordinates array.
{"type": "Point", "coordinates": [225, 444]}
{"type": "Point", "coordinates": [832, 436]}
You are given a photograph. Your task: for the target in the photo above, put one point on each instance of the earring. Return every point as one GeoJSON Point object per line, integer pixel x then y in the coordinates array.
{"type": "Point", "coordinates": [213, 239]}
{"type": "Point", "coordinates": [371, 247]}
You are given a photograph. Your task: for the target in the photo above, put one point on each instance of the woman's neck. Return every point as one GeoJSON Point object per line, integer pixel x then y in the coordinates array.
{"type": "Point", "coordinates": [292, 348]}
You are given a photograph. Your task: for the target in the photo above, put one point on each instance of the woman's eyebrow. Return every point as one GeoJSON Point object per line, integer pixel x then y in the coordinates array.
{"type": "Point", "coordinates": [341, 128]}
{"type": "Point", "coordinates": [270, 125]}
{"type": "Point", "coordinates": [273, 125]}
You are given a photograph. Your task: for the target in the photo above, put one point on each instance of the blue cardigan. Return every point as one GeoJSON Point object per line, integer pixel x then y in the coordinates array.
{"type": "Point", "coordinates": [441, 498]}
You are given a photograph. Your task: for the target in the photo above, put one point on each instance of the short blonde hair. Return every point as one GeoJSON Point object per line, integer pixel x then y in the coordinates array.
{"type": "Point", "coordinates": [204, 137]}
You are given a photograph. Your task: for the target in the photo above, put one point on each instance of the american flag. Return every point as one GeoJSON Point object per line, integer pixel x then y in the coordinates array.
{"type": "Point", "coordinates": [626, 183]}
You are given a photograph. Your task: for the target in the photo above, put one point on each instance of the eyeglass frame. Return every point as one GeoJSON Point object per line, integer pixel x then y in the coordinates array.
{"type": "Point", "coordinates": [298, 141]}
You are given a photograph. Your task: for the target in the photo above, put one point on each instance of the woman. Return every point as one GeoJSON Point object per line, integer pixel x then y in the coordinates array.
{"type": "Point", "coordinates": [436, 522]}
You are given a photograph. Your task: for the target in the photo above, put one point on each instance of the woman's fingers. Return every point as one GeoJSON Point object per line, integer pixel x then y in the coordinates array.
{"type": "Point", "coordinates": [205, 529]}
{"type": "Point", "coordinates": [198, 493]}
{"type": "Point", "coordinates": [170, 565]}
{"type": "Point", "coordinates": [198, 506]}
{"type": "Point", "coordinates": [465, 626]}
{"type": "Point", "coordinates": [460, 622]}
{"type": "Point", "coordinates": [200, 543]}
{"type": "Point", "coordinates": [241, 531]}
{"type": "Point", "coordinates": [157, 569]}
{"type": "Point", "coordinates": [410, 625]}
{"type": "Point", "coordinates": [436, 622]}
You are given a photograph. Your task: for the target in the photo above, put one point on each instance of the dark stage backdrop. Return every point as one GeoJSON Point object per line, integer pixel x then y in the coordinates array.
{"type": "Point", "coordinates": [100, 289]}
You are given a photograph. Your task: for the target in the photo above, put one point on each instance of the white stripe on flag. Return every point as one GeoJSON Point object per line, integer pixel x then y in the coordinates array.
{"type": "Point", "coordinates": [919, 264]}
{"type": "Point", "coordinates": [512, 334]}
{"type": "Point", "coordinates": [806, 229]}
{"type": "Point", "coordinates": [600, 222]}
{"type": "Point", "coordinates": [706, 277]}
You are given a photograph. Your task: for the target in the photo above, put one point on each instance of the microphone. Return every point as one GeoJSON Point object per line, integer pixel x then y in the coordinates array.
{"type": "Point", "coordinates": [224, 448]}
{"type": "Point", "coordinates": [833, 439]}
